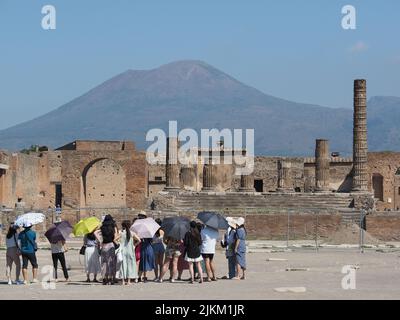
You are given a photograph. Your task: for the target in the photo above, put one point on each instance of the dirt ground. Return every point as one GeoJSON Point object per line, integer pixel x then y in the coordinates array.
{"type": "Point", "coordinates": [377, 276]}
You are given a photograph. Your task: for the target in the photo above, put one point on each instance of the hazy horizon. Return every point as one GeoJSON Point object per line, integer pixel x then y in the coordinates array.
{"type": "Point", "coordinates": [298, 52]}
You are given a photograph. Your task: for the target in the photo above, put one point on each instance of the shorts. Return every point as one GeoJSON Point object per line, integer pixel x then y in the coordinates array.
{"type": "Point", "coordinates": [208, 255]}
{"type": "Point", "coordinates": [170, 253]}
{"type": "Point", "coordinates": [29, 257]}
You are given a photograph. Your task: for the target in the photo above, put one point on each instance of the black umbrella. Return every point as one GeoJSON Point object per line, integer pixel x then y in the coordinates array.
{"type": "Point", "coordinates": [60, 231]}
{"type": "Point", "coordinates": [213, 220]}
{"type": "Point", "coordinates": [175, 227]}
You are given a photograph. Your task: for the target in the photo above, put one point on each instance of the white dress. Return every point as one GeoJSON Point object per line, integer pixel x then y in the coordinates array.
{"type": "Point", "coordinates": [92, 257]}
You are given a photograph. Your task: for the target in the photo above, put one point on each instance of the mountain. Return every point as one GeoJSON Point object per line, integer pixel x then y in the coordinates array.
{"type": "Point", "coordinates": [198, 95]}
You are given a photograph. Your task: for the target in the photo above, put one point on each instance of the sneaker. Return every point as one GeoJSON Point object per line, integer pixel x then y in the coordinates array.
{"type": "Point", "coordinates": [25, 282]}
{"type": "Point", "coordinates": [19, 282]}
{"type": "Point", "coordinates": [9, 282]}
{"type": "Point", "coordinates": [35, 281]}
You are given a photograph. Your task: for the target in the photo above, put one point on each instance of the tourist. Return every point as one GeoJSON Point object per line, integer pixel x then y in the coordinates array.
{"type": "Point", "coordinates": [192, 242]}
{"type": "Point", "coordinates": [228, 243]}
{"type": "Point", "coordinates": [240, 249]}
{"type": "Point", "coordinates": [209, 238]}
{"type": "Point", "coordinates": [109, 235]}
{"type": "Point", "coordinates": [92, 257]}
{"type": "Point", "coordinates": [12, 254]}
{"type": "Point", "coordinates": [57, 254]}
{"type": "Point", "coordinates": [159, 250]}
{"type": "Point", "coordinates": [147, 262]}
{"type": "Point", "coordinates": [200, 227]}
{"type": "Point", "coordinates": [182, 263]}
{"type": "Point", "coordinates": [172, 252]}
{"type": "Point", "coordinates": [128, 268]}
{"type": "Point", "coordinates": [138, 247]}
{"type": "Point", "coordinates": [28, 246]}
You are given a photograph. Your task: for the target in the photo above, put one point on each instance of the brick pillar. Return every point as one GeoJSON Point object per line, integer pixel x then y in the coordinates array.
{"type": "Point", "coordinates": [360, 146]}
{"type": "Point", "coordinates": [209, 182]}
{"type": "Point", "coordinates": [322, 162]}
{"type": "Point", "coordinates": [284, 176]}
{"type": "Point", "coordinates": [172, 165]}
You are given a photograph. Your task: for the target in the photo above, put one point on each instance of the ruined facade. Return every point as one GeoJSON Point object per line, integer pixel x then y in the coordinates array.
{"type": "Point", "coordinates": [82, 174]}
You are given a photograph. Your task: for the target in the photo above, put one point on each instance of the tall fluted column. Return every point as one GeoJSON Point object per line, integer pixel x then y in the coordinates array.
{"type": "Point", "coordinates": [322, 163]}
{"type": "Point", "coordinates": [247, 183]}
{"type": "Point", "coordinates": [209, 181]}
{"type": "Point", "coordinates": [284, 176]}
{"type": "Point", "coordinates": [172, 165]}
{"type": "Point", "coordinates": [360, 146]}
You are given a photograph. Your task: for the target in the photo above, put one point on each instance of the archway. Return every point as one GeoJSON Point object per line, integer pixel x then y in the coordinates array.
{"type": "Point", "coordinates": [104, 184]}
{"type": "Point", "coordinates": [377, 186]}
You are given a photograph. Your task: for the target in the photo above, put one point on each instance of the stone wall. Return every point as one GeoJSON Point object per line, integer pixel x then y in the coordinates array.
{"type": "Point", "coordinates": [302, 226]}
{"type": "Point", "coordinates": [93, 174]}
{"type": "Point", "coordinates": [385, 227]}
{"type": "Point", "coordinates": [385, 165]}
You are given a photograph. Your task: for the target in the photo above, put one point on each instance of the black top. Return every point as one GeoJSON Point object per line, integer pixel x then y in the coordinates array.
{"type": "Point", "coordinates": [108, 232]}
{"type": "Point", "coordinates": [192, 245]}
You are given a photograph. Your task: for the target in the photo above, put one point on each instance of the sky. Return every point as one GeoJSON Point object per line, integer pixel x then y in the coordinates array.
{"type": "Point", "coordinates": [296, 50]}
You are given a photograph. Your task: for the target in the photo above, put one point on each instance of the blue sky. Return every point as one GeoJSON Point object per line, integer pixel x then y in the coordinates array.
{"type": "Point", "coordinates": [296, 50]}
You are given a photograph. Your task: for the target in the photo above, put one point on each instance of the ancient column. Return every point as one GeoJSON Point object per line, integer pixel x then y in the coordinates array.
{"type": "Point", "coordinates": [322, 162]}
{"type": "Point", "coordinates": [284, 176]}
{"type": "Point", "coordinates": [188, 177]}
{"type": "Point", "coordinates": [172, 165]}
{"type": "Point", "coordinates": [247, 183]}
{"type": "Point", "coordinates": [360, 146]}
{"type": "Point", "coordinates": [209, 181]}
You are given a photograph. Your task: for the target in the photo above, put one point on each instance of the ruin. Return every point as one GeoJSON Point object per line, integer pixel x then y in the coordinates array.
{"type": "Point", "coordinates": [94, 176]}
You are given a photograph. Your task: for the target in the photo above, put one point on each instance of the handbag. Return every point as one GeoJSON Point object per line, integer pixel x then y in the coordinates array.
{"type": "Point", "coordinates": [118, 253]}
{"type": "Point", "coordinates": [82, 251]}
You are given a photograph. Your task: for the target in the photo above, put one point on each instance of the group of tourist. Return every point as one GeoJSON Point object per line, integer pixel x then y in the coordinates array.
{"type": "Point", "coordinates": [122, 255]}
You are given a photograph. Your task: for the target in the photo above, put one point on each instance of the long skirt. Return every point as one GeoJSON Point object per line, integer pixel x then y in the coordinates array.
{"type": "Point", "coordinates": [92, 260]}
{"type": "Point", "coordinates": [147, 261]}
{"type": "Point", "coordinates": [108, 260]}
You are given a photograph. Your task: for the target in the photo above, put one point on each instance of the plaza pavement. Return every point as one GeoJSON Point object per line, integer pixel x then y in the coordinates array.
{"type": "Point", "coordinates": [317, 275]}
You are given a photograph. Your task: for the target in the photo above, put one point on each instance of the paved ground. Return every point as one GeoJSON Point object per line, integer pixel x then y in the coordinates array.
{"type": "Point", "coordinates": [378, 277]}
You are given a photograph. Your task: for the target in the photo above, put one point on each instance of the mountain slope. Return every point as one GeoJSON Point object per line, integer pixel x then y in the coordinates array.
{"type": "Point", "coordinates": [199, 96]}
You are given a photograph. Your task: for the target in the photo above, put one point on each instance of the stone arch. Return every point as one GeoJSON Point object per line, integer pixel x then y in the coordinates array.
{"type": "Point", "coordinates": [104, 184]}
{"type": "Point", "coordinates": [377, 186]}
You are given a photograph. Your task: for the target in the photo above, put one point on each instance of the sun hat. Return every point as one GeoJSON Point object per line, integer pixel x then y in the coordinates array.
{"type": "Point", "coordinates": [231, 222]}
{"type": "Point", "coordinates": [240, 221]}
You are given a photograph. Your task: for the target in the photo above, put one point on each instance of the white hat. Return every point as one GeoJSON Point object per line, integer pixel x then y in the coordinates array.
{"type": "Point", "coordinates": [240, 221]}
{"type": "Point", "coordinates": [231, 222]}
{"type": "Point", "coordinates": [142, 212]}
{"type": "Point", "coordinates": [27, 224]}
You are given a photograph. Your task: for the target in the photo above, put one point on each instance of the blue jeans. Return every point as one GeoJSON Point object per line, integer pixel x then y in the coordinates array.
{"type": "Point", "coordinates": [232, 266]}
